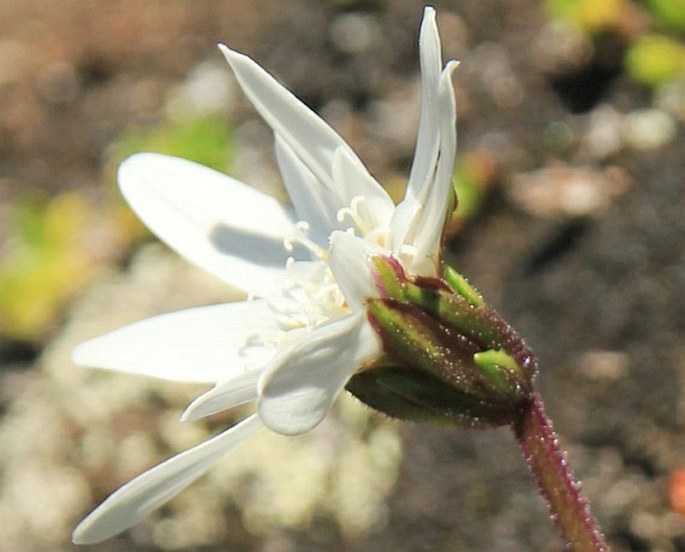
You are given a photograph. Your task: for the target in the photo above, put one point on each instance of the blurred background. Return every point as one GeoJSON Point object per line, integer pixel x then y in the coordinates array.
{"type": "Point", "coordinates": [570, 175]}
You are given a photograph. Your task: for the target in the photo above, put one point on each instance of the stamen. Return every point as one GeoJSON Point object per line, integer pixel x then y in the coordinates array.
{"type": "Point", "coordinates": [300, 237]}
{"type": "Point", "coordinates": [353, 213]}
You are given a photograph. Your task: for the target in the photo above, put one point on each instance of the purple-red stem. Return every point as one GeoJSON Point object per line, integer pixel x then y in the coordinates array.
{"type": "Point", "coordinates": [547, 461]}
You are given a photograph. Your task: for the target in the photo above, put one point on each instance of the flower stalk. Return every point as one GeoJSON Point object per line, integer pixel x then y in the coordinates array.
{"type": "Point", "coordinates": [547, 461]}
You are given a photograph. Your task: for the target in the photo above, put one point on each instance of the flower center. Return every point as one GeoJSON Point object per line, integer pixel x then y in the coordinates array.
{"type": "Point", "coordinates": [309, 295]}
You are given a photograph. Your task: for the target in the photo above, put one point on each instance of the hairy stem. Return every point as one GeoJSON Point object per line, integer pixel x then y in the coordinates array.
{"type": "Point", "coordinates": [547, 461]}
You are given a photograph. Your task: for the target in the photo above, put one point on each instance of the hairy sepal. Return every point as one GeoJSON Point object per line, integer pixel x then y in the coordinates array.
{"type": "Point", "coordinates": [446, 357]}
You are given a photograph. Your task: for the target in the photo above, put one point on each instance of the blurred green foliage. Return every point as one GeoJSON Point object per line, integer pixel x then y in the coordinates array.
{"type": "Point", "coordinates": [589, 15]}
{"type": "Point", "coordinates": [655, 59]}
{"type": "Point", "coordinates": [206, 140]}
{"type": "Point", "coordinates": [471, 181]}
{"type": "Point", "coordinates": [44, 263]}
{"type": "Point", "coordinates": [474, 175]}
{"type": "Point", "coordinates": [670, 14]}
{"type": "Point", "coordinates": [654, 31]}
{"type": "Point", "coordinates": [57, 243]}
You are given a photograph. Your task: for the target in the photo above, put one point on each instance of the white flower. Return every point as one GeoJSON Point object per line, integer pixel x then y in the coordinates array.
{"type": "Point", "coordinates": [303, 332]}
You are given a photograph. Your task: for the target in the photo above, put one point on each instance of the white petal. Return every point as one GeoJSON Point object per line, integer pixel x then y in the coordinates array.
{"type": "Point", "coordinates": [432, 221]}
{"type": "Point", "coordinates": [224, 395]}
{"type": "Point", "coordinates": [301, 383]}
{"type": "Point", "coordinates": [427, 140]}
{"type": "Point", "coordinates": [313, 202]}
{"type": "Point", "coordinates": [312, 140]}
{"type": "Point", "coordinates": [349, 262]}
{"type": "Point", "coordinates": [131, 503]}
{"type": "Point", "coordinates": [204, 344]}
{"type": "Point", "coordinates": [219, 223]}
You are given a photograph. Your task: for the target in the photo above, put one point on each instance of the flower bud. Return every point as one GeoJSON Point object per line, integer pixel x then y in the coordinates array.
{"type": "Point", "coordinates": [447, 356]}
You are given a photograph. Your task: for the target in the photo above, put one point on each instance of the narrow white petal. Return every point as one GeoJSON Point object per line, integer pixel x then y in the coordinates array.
{"type": "Point", "coordinates": [226, 227]}
{"type": "Point", "coordinates": [226, 394]}
{"type": "Point", "coordinates": [410, 218]}
{"type": "Point", "coordinates": [312, 140]}
{"type": "Point", "coordinates": [349, 262]}
{"type": "Point", "coordinates": [312, 200]}
{"type": "Point", "coordinates": [429, 231]}
{"type": "Point", "coordinates": [203, 344]}
{"type": "Point", "coordinates": [131, 503]}
{"type": "Point", "coordinates": [303, 380]}
{"type": "Point", "coordinates": [427, 140]}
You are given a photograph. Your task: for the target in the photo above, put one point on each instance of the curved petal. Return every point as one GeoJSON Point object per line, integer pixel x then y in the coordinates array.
{"type": "Point", "coordinates": [132, 502]}
{"type": "Point", "coordinates": [300, 384]}
{"type": "Point", "coordinates": [312, 140]}
{"type": "Point", "coordinates": [427, 139]}
{"type": "Point", "coordinates": [348, 260]}
{"type": "Point", "coordinates": [432, 218]}
{"type": "Point", "coordinates": [313, 202]}
{"type": "Point", "coordinates": [203, 344]}
{"type": "Point", "coordinates": [226, 394]}
{"type": "Point", "coordinates": [418, 221]}
{"type": "Point", "coordinates": [226, 227]}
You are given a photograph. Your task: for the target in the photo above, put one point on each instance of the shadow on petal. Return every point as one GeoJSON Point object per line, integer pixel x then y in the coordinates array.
{"type": "Point", "coordinates": [253, 248]}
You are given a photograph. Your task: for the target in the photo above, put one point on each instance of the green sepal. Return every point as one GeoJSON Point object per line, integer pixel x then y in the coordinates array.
{"type": "Point", "coordinates": [460, 285]}
{"type": "Point", "coordinates": [420, 341]}
{"type": "Point", "coordinates": [457, 312]}
{"type": "Point", "coordinates": [480, 325]}
{"type": "Point", "coordinates": [430, 371]}
{"type": "Point", "coordinates": [496, 359]}
{"type": "Point", "coordinates": [409, 394]}
{"type": "Point", "coordinates": [500, 368]}
{"type": "Point", "coordinates": [389, 276]}
{"type": "Point", "coordinates": [448, 357]}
